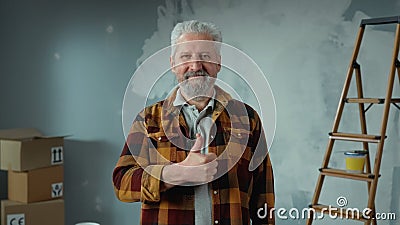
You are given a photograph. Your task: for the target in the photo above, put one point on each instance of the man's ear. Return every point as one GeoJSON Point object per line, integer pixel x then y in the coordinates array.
{"type": "Point", "coordinates": [172, 63]}
{"type": "Point", "coordinates": [219, 63]}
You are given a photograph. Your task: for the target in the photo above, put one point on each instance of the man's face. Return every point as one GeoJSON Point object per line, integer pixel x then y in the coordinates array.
{"type": "Point", "coordinates": [195, 63]}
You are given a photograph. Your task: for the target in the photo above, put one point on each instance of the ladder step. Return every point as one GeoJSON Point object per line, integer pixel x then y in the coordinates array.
{"type": "Point", "coordinates": [371, 100]}
{"type": "Point", "coordinates": [369, 177]}
{"type": "Point", "coordinates": [355, 137]}
{"type": "Point", "coordinates": [341, 213]}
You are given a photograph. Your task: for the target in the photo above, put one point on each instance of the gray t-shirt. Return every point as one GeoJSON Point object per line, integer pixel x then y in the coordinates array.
{"type": "Point", "coordinates": [199, 122]}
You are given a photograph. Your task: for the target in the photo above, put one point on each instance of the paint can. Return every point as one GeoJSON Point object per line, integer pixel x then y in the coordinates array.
{"type": "Point", "coordinates": [355, 161]}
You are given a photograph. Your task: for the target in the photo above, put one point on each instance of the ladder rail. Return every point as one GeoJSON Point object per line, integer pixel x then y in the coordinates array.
{"type": "Point", "coordinates": [347, 83]}
{"type": "Point", "coordinates": [338, 117]}
{"type": "Point", "coordinates": [363, 124]}
{"type": "Point", "coordinates": [389, 92]}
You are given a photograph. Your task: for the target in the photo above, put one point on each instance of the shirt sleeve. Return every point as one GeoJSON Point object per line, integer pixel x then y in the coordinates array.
{"type": "Point", "coordinates": [262, 201]}
{"type": "Point", "coordinates": [134, 177]}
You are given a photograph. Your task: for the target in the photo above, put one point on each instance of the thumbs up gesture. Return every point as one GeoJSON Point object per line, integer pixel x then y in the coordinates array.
{"type": "Point", "coordinates": [195, 158]}
{"type": "Point", "coordinates": [196, 169]}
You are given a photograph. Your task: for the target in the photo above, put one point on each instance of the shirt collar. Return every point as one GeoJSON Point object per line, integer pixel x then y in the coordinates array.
{"type": "Point", "coordinates": [221, 101]}
{"type": "Point", "coordinates": [180, 101]}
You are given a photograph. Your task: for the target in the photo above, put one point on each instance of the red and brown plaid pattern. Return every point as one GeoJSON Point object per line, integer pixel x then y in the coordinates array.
{"type": "Point", "coordinates": [156, 139]}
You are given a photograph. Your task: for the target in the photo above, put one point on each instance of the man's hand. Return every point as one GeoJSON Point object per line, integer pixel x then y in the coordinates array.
{"type": "Point", "coordinates": [195, 158]}
{"type": "Point", "coordinates": [197, 168]}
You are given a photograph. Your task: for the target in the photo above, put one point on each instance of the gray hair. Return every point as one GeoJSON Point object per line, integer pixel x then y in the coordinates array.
{"type": "Point", "coordinates": [194, 26]}
{"type": "Point", "coordinates": [197, 27]}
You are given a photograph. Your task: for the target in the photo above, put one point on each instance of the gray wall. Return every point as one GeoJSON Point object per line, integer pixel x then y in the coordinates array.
{"type": "Point", "coordinates": [64, 67]}
{"type": "Point", "coordinates": [63, 72]}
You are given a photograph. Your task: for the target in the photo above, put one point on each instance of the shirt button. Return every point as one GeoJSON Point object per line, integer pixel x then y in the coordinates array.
{"type": "Point", "coordinates": [215, 192]}
{"type": "Point", "coordinates": [239, 134]}
{"type": "Point", "coordinates": [212, 136]}
{"type": "Point", "coordinates": [159, 138]}
{"type": "Point", "coordinates": [216, 222]}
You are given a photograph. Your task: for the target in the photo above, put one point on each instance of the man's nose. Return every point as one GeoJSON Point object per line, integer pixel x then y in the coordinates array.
{"type": "Point", "coordinates": [196, 65]}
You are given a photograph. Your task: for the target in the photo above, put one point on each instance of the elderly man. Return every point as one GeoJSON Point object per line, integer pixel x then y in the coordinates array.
{"type": "Point", "coordinates": [187, 157]}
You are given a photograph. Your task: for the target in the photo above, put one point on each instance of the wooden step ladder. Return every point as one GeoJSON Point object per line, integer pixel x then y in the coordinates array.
{"type": "Point", "coordinates": [368, 175]}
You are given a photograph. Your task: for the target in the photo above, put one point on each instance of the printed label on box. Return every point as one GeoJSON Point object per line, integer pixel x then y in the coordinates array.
{"type": "Point", "coordinates": [57, 156]}
{"type": "Point", "coordinates": [16, 219]}
{"type": "Point", "coordinates": [57, 190]}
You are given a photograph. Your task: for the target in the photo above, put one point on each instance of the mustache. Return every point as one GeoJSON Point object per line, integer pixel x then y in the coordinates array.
{"type": "Point", "coordinates": [190, 74]}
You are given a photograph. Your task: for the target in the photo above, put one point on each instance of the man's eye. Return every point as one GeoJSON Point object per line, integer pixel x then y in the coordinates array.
{"type": "Point", "coordinates": [205, 56]}
{"type": "Point", "coordinates": [185, 56]}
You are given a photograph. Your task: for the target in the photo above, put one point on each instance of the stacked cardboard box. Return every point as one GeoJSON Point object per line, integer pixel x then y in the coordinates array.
{"type": "Point", "coordinates": [35, 177]}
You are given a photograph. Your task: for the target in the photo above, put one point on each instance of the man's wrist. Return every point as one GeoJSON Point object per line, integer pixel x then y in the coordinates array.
{"type": "Point", "coordinates": [169, 177]}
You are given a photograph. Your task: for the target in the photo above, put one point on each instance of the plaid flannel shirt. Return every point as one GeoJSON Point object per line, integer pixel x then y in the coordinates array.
{"type": "Point", "coordinates": [156, 139]}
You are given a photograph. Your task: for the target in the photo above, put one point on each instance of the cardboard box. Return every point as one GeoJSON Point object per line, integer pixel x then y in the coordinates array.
{"type": "Point", "coordinates": [26, 149]}
{"type": "Point", "coordinates": [36, 185]}
{"type": "Point", "coordinates": [38, 213]}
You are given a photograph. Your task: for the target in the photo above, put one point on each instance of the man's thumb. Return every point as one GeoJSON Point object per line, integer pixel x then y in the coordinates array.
{"type": "Point", "coordinates": [210, 157]}
{"type": "Point", "coordinates": [198, 144]}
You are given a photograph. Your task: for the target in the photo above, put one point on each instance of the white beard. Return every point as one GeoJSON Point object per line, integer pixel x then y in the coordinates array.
{"type": "Point", "coordinates": [197, 87]}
